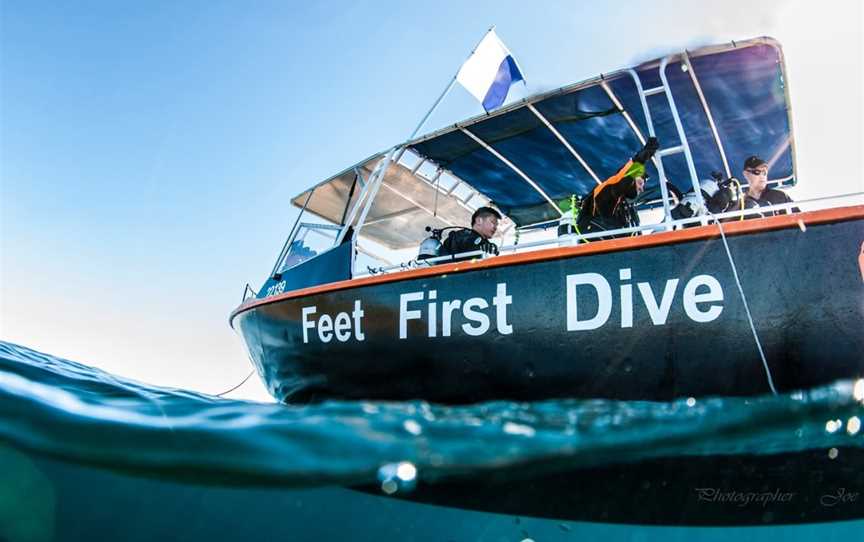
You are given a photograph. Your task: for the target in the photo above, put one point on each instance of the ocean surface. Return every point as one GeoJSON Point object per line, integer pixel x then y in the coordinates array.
{"type": "Point", "coordinates": [88, 455]}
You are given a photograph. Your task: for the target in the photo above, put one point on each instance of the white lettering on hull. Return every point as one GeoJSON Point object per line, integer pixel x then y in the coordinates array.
{"type": "Point", "coordinates": [472, 310]}
{"type": "Point", "coordinates": [701, 299]}
{"type": "Point", "coordinates": [658, 312]}
{"type": "Point", "coordinates": [342, 326]}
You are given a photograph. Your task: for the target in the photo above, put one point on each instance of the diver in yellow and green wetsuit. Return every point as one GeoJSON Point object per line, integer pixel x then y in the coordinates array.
{"type": "Point", "coordinates": [609, 205]}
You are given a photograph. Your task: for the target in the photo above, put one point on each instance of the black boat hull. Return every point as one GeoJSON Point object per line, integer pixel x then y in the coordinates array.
{"type": "Point", "coordinates": [652, 317]}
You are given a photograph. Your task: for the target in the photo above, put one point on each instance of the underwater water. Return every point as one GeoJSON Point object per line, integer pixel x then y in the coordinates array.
{"type": "Point", "coordinates": [88, 455]}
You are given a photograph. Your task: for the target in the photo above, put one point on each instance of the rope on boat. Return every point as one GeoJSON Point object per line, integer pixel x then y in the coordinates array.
{"type": "Point", "coordinates": [237, 386]}
{"type": "Point", "coordinates": [746, 307]}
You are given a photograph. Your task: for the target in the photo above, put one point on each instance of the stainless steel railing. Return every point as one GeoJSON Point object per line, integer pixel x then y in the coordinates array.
{"type": "Point", "coordinates": [573, 239]}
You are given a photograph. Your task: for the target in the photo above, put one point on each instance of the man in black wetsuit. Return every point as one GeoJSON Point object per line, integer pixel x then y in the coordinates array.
{"type": "Point", "coordinates": [608, 206]}
{"type": "Point", "coordinates": [484, 223]}
{"type": "Point", "coordinates": [758, 194]}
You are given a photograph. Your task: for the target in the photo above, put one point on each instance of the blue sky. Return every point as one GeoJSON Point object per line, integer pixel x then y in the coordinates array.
{"type": "Point", "coordinates": [148, 150]}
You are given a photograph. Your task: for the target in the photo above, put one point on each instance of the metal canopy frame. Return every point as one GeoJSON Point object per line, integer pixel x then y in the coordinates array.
{"type": "Point", "coordinates": [564, 142]}
{"type": "Point", "coordinates": [612, 96]}
{"type": "Point", "coordinates": [369, 192]}
{"type": "Point", "coordinates": [513, 167]}
{"type": "Point", "coordinates": [370, 186]}
{"type": "Point", "coordinates": [686, 58]}
{"type": "Point", "coordinates": [389, 216]}
{"type": "Point", "coordinates": [359, 175]}
{"type": "Point", "coordinates": [658, 162]}
{"type": "Point", "coordinates": [602, 82]}
{"type": "Point", "coordinates": [411, 201]}
{"type": "Point", "coordinates": [688, 155]}
{"type": "Point", "coordinates": [291, 234]}
{"type": "Point", "coordinates": [702, 51]}
{"type": "Point", "coordinates": [377, 177]}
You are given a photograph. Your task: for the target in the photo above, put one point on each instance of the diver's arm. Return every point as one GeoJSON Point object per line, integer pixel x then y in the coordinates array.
{"type": "Point", "coordinates": [468, 240]}
{"type": "Point", "coordinates": [647, 151]}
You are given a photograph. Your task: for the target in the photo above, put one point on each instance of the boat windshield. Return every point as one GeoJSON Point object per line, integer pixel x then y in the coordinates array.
{"type": "Point", "coordinates": [313, 233]}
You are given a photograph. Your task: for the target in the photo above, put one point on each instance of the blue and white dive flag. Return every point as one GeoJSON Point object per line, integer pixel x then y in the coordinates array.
{"type": "Point", "coordinates": [489, 72]}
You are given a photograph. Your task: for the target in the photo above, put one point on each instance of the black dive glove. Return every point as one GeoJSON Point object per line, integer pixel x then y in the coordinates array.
{"type": "Point", "coordinates": [723, 181]}
{"type": "Point", "coordinates": [721, 201]}
{"type": "Point", "coordinates": [487, 246]}
{"type": "Point", "coordinates": [647, 151]}
{"type": "Point", "coordinates": [725, 197]}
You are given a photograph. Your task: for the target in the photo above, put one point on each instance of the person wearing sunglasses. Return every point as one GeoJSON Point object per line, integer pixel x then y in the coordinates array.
{"type": "Point", "coordinates": [758, 194]}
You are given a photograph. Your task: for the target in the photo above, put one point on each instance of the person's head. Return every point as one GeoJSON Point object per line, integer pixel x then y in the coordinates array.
{"type": "Point", "coordinates": [633, 185]}
{"type": "Point", "coordinates": [639, 183]}
{"type": "Point", "coordinates": [485, 221]}
{"type": "Point", "coordinates": [635, 181]}
{"type": "Point", "coordinates": [756, 174]}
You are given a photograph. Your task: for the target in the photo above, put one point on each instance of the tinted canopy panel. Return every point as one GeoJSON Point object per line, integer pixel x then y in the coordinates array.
{"type": "Point", "coordinates": [528, 156]}
{"type": "Point", "coordinates": [742, 86]}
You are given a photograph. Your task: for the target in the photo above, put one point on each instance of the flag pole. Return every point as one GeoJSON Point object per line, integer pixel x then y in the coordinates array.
{"type": "Point", "coordinates": [448, 89]}
{"type": "Point", "coordinates": [435, 105]}
{"type": "Point", "coordinates": [374, 183]}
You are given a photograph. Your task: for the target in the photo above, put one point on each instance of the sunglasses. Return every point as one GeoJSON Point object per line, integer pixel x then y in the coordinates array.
{"type": "Point", "coordinates": [758, 171]}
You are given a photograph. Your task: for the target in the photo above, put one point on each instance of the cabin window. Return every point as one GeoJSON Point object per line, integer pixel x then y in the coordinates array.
{"type": "Point", "coordinates": [311, 240]}
{"type": "Point", "coordinates": [317, 227]}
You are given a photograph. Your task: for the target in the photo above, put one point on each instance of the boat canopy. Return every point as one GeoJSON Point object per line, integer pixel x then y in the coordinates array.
{"type": "Point", "coordinates": [405, 204]}
{"type": "Point", "coordinates": [710, 109]}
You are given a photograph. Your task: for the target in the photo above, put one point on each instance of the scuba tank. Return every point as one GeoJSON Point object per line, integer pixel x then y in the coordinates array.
{"type": "Point", "coordinates": [718, 194]}
{"type": "Point", "coordinates": [431, 246]}
{"type": "Point", "coordinates": [689, 205]}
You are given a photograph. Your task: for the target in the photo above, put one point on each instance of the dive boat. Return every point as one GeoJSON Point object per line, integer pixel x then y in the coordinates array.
{"type": "Point", "coordinates": [741, 303]}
